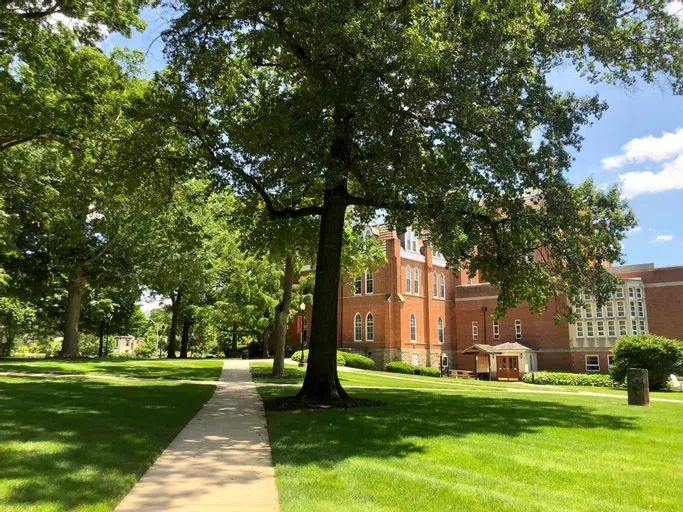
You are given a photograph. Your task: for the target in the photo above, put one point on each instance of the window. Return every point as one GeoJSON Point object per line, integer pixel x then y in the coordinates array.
{"type": "Point", "coordinates": [589, 311]}
{"type": "Point", "coordinates": [639, 293]}
{"type": "Point", "coordinates": [413, 328]}
{"type": "Point", "coordinates": [621, 312]}
{"type": "Point", "coordinates": [634, 326]}
{"type": "Point", "coordinates": [416, 282]}
{"type": "Point", "coordinates": [590, 333]}
{"type": "Point", "coordinates": [442, 285]}
{"type": "Point", "coordinates": [435, 285]}
{"type": "Point", "coordinates": [496, 330]}
{"type": "Point", "coordinates": [641, 309]}
{"type": "Point", "coordinates": [609, 309]}
{"type": "Point", "coordinates": [518, 329]}
{"type": "Point", "coordinates": [633, 308]}
{"type": "Point", "coordinates": [440, 329]}
{"type": "Point", "coordinates": [410, 238]}
{"type": "Point", "coordinates": [444, 361]}
{"type": "Point", "coordinates": [598, 312]}
{"type": "Point", "coordinates": [619, 293]}
{"type": "Point", "coordinates": [631, 293]}
{"type": "Point", "coordinates": [611, 329]}
{"type": "Point", "coordinates": [601, 328]}
{"type": "Point", "coordinates": [369, 327]}
{"type": "Point", "coordinates": [357, 328]}
{"type": "Point", "coordinates": [587, 296]}
{"type": "Point", "coordinates": [369, 282]}
{"type": "Point", "coordinates": [475, 331]}
{"type": "Point", "coordinates": [408, 277]}
{"type": "Point", "coordinates": [610, 361]}
{"type": "Point", "coordinates": [128, 341]}
{"type": "Point", "coordinates": [357, 285]}
{"type": "Point", "coordinates": [642, 326]}
{"type": "Point", "coordinates": [469, 281]}
{"type": "Point", "coordinates": [592, 364]}
{"type": "Point", "coordinates": [579, 329]}
{"type": "Point", "coordinates": [622, 328]}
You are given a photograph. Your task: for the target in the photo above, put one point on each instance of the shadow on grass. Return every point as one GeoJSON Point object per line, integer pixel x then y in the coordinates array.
{"type": "Point", "coordinates": [179, 369]}
{"type": "Point", "coordinates": [327, 437]}
{"type": "Point", "coordinates": [69, 444]}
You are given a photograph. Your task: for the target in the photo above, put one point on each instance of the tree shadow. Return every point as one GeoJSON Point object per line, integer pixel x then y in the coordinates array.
{"type": "Point", "coordinates": [327, 437]}
{"type": "Point", "coordinates": [68, 444]}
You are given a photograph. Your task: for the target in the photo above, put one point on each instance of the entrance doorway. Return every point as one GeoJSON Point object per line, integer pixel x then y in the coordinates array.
{"type": "Point", "coordinates": [508, 367]}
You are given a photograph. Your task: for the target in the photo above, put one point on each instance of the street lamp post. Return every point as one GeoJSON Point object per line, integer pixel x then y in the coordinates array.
{"type": "Point", "coordinates": [302, 308]}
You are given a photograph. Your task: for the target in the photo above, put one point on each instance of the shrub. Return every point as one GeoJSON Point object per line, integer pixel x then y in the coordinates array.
{"type": "Point", "coordinates": [296, 356]}
{"type": "Point", "coordinates": [398, 367]}
{"type": "Point", "coordinates": [255, 349]}
{"type": "Point", "coordinates": [660, 356]}
{"type": "Point", "coordinates": [569, 379]}
{"type": "Point", "coordinates": [356, 361]}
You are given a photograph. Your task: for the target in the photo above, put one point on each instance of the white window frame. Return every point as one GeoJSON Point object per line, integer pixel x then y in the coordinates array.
{"type": "Point", "coordinates": [469, 281]}
{"type": "Point", "coordinates": [435, 285]}
{"type": "Point", "coordinates": [631, 292]}
{"type": "Point", "coordinates": [623, 328]}
{"type": "Point", "coordinates": [442, 285]}
{"type": "Point", "coordinates": [475, 331]}
{"type": "Point", "coordinates": [358, 285]}
{"type": "Point", "coordinates": [496, 330]}
{"type": "Point", "coordinates": [590, 331]}
{"type": "Point", "coordinates": [634, 326]}
{"type": "Point", "coordinates": [369, 327]}
{"type": "Point", "coordinates": [409, 278]}
{"type": "Point", "coordinates": [416, 281]}
{"type": "Point", "coordinates": [440, 330]}
{"type": "Point", "coordinates": [610, 361]}
{"type": "Point", "coordinates": [642, 329]}
{"type": "Point", "coordinates": [641, 309]}
{"type": "Point", "coordinates": [619, 293]}
{"type": "Point", "coordinates": [357, 328]}
{"type": "Point", "coordinates": [632, 307]}
{"type": "Point", "coordinates": [621, 309]}
{"type": "Point", "coordinates": [598, 312]}
{"type": "Point", "coordinates": [588, 309]}
{"type": "Point", "coordinates": [579, 330]}
{"type": "Point", "coordinates": [413, 328]}
{"type": "Point", "coordinates": [518, 329]}
{"type": "Point", "coordinates": [369, 282]}
{"type": "Point", "coordinates": [595, 367]}
{"type": "Point", "coordinates": [639, 293]}
{"type": "Point", "coordinates": [611, 329]}
{"type": "Point", "coordinates": [600, 327]}
{"type": "Point", "coordinates": [609, 310]}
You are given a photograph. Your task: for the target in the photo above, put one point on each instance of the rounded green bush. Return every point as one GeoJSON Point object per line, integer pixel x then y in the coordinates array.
{"type": "Point", "coordinates": [356, 361]}
{"type": "Point", "coordinates": [658, 355]}
{"type": "Point", "coordinates": [296, 356]}
{"type": "Point", "coordinates": [399, 367]}
{"type": "Point", "coordinates": [569, 379]}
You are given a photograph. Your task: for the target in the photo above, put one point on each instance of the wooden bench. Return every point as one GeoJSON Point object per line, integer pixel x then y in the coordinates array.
{"type": "Point", "coordinates": [461, 374]}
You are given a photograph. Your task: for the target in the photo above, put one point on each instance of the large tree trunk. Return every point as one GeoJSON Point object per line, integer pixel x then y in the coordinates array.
{"type": "Point", "coordinates": [100, 350]}
{"type": "Point", "coordinates": [73, 310]}
{"type": "Point", "coordinates": [175, 313]}
{"type": "Point", "coordinates": [281, 316]}
{"type": "Point", "coordinates": [184, 341]}
{"type": "Point", "coordinates": [7, 346]}
{"type": "Point", "coordinates": [321, 382]}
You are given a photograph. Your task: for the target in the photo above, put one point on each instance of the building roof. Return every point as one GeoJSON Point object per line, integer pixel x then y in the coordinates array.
{"type": "Point", "coordinates": [512, 346]}
{"type": "Point", "coordinates": [480, 348]}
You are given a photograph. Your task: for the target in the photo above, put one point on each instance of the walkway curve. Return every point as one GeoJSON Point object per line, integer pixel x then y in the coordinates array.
{"type": "Point", "coordinates": [221, 459]}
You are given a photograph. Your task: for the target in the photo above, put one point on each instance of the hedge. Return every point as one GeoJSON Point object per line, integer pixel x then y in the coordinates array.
{"type": "Point", "coordinates": [296, 356]}
{"type": "Point", "coordinates": [570, 379]}
{"type": "Point", "coordinates": [660, 356]}
{"type": "Point", "coordinates": [398, 367]}
{"type": "Point", "coordinates": [356, 361]}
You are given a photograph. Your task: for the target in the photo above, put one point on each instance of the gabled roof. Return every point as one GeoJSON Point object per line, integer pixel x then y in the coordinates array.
{"type": "Point", "coordinates": [513, 346]}
{"type": "Point", "coordinates": [480, 348]}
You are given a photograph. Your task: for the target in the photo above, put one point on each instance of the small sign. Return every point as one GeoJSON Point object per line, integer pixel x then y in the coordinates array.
{"type": "Point", "coordinates": [299, 324]}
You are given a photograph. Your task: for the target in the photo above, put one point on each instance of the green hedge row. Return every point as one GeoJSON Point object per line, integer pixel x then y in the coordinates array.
{"type": "Point", "coordinates": [570, 379]}
{"type": "Point", "coordinates": [398, 367]}
{"type": "Point", "coordinates": [343, 359]}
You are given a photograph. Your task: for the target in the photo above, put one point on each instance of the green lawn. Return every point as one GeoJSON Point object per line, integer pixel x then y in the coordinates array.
{"type": "Point", "coordinates": [295, 375]}
{"type": "Point", "coordinates": [80, 445]}
{"type": "Point", "coordinates": [194, 369]}
{"type": "Point", "coordinates": [479, 451]}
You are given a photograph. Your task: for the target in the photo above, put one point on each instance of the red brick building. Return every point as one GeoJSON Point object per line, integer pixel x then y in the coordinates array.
{"type": "Point", "coordinates": [414, 309]}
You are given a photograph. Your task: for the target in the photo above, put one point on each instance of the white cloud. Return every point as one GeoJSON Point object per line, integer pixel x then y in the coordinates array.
{"type": "Point", "coordinates": [675, 8]}
{"type": "Point", "coordinates": [637, 229]}
{"type": "Point", "coordinates": [635, 183]}
{"type": "Point", "coordinates": [663, 238]}
{"type": "Point", "coordinates": [656, 149]}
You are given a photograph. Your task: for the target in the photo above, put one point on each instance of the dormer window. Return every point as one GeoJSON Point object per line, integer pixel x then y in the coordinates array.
{"type": "Point", "coordinates": [410, 240]}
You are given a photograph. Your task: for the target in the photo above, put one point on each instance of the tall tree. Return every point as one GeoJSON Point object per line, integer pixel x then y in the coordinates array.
{"type": "Point", "coordinates": [438, 112]}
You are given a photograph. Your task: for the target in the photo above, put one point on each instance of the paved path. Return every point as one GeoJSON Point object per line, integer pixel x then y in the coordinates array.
{"type": "Point", "coordinates": [221, 459]}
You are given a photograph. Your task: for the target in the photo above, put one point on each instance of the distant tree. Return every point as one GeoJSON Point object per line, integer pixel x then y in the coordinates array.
{"type": "Point", "coordinates": [660, 356]}
{"type": "Point", "coordinates": [16, 317]}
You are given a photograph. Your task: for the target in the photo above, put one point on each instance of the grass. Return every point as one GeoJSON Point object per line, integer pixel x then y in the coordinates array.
{"type": "Point", "coordinates": [478, 451]}
{"type": "Point", "coordinates": [80, 445]}
{"type": "Point", "coordinates": [191, 369]}
{"type": "Point", "coordinates": [295, 375]}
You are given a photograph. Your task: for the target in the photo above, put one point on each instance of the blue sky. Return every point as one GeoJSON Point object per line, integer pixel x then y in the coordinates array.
{"type": "Point", "coordinates": [638, 143]}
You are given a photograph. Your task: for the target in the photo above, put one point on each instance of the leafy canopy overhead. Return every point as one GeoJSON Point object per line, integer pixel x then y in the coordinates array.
{"type": "Point", "coordinates": [439, 112]}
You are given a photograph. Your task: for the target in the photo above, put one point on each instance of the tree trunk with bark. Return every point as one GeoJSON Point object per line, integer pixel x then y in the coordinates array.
{"type": "Point", "coordinates": [100, 350]}
{"type": "Point", "coordinates": [176, 299]}
{"type": "Point", "coordinates": [73, 310]}
{"type": "Point", "coordinates": [321, 382]}
{"type": "Point", "coordinates": [185, 340]}
{"type": "Point", "coordinates": [281, 316]}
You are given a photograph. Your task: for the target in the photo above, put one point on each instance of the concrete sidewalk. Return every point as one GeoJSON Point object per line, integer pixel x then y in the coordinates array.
{"type": "Point", "coordinates": [221, 459]}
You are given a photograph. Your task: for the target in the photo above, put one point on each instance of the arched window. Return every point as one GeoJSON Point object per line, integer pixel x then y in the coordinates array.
{"type": "Point", "coordinates": [408, 276]}
{"type": "Point", "coordinates": [369, 327]}
{"type": "Point", "coordinates": [440, 326]}
{"type": "Point", "coordinates": [416, 282]}
{"type": "Point", "coordinates": [435, 285]}
{"type": "Point", "coordinates": [357, 328]}
{"type": "Point", "coordinates": [369, 282]}
{"type": "Point", "coordinates": [413, 328]}
{"type": "Point", "coordinates": [442, 285]}
{"type": "Point", "coordinates": [357, 285]}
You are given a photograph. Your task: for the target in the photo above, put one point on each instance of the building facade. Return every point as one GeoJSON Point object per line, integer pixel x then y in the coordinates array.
{"type": "Point", "coordinates": [414, 309]}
